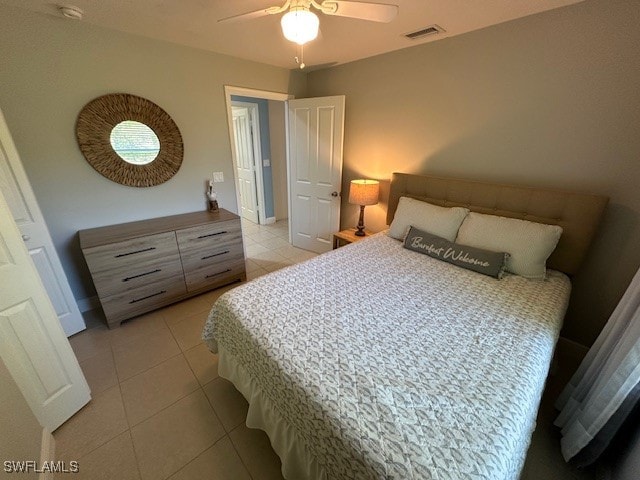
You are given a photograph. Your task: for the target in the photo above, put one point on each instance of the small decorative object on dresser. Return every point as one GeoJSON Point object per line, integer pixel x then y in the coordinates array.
{"type": "Point", "coordinates": [212, 198]}
{"type": "Point", "coordinates": [140, 266]}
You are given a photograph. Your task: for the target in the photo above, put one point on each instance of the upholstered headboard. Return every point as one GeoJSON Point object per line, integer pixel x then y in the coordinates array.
{"type": "Point", "coordinates": [578, 214]}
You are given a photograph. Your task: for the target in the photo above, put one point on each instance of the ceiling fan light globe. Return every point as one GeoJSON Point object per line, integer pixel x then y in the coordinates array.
{"type": "Point", "coordinates": [300, 26]}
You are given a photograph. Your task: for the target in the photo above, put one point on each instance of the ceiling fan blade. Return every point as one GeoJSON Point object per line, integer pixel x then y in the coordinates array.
{"type": "Point", "coordinates": [245, 16]}
{"type": "Point", "coordinates": [257, 14]}
{"type": "Point", "coordinates": [319, 66]}
{"type": "Point", "coordinates": [374, 12]}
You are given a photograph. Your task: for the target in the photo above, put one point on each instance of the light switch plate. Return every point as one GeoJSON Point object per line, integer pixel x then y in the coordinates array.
{"type": "Point", "coordinates": [266, 162]}
{"type": "Point", "coordinates": [218, 177]}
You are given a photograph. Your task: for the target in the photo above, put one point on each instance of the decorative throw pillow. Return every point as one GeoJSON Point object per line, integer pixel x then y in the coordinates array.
{"type": "Point", "coordinates": [528, 243]}
{"type": "Point", "coordinates": [441, 221]}
{"type": "Point", "coordinates": [476, 259]}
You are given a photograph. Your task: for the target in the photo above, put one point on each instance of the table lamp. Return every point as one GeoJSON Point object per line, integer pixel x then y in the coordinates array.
{"type": "Point", "coordinates": [363, 192]}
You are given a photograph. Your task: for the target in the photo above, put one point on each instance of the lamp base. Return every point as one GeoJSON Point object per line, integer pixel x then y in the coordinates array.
{"type": "Point", "coordinates": [360, 231]}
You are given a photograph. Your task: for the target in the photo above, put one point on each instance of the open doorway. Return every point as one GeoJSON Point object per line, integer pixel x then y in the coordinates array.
{"type": "Point", "coordinates": [257, 127]}
{"type": "Point", "coordinates": [313, 132]}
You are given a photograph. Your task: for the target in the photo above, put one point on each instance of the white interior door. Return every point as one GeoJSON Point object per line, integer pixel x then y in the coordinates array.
{"type": "Point", "coordinates": [316, 131]}
{"type": "Point", "coordinates": [245, 163]}
{"type": "Point", "coordinates": [33, 345]}
{"type": "Point", "coordinates": [15, 186]}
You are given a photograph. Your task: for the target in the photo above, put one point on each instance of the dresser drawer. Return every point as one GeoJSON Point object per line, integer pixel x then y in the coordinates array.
{"type": "Point", "coordinates": [124, 266]}
{"type": "Point", "coordinates": [209, 237]}
{"type": "Point", "coordinates": [212, 255]}
{"type": "Point", "coordinates": [142, 299]}
{"type": "Point", "coordinates": [215, 275]}
{"type": "Point", "coordinates": [133, 276]}
{"type": "Point", "coordinates": [116, 258]}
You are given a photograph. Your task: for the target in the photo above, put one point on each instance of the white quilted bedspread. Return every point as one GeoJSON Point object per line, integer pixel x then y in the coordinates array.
{"type": "Point", "coordinates": [390, 364]}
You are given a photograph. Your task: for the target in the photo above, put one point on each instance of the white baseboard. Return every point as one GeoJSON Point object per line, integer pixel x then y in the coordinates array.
{"type": "Point", "coordinates": [269, 220]}
{"type": "Point", "coordinates": [89, 303]}
{"type": "Point", "coordinates": [47, 453]}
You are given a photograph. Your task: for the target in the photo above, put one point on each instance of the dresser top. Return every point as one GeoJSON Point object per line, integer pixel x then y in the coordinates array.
{"type": "Point", "coordinates": [94, 237]}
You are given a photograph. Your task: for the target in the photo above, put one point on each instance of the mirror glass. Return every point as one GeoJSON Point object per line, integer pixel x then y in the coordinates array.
{"type": "Point", "coordinates": [135, 142]}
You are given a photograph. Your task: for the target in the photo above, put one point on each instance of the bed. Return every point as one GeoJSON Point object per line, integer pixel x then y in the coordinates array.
{"type": "Point", "coordinates": [373, 361]}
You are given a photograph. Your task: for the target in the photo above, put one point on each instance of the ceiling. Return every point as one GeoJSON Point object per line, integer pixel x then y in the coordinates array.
{"type": "Point", "coordinates": [194, 23]}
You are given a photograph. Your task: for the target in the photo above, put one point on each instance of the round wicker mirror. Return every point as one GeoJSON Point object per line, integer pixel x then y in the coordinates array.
{"type": "Point", "coordinates": [129, 140]}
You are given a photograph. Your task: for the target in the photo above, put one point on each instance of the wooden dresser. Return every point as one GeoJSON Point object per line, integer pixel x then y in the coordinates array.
{"type": "Point", "coordinates": [140, 266]}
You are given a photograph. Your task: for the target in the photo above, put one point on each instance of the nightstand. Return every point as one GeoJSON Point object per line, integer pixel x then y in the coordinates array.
{"type": "Point", "coordinates": [347, 236]}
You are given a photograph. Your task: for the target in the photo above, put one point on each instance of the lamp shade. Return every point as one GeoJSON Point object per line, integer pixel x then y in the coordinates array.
{"type": "Point", "coordinates": [300, 25]}
{"type": "Point", "coordinates": [364, 192]}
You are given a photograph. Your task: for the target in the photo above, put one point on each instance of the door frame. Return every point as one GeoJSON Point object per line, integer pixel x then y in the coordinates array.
{"type": "Point", "coordinates": [230, 90]}
{"type": "Point", "coordinates": [256, 137]}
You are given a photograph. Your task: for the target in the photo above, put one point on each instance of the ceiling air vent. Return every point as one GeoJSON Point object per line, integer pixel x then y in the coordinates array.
{"type": "Point", "coordinates": [426, 31]}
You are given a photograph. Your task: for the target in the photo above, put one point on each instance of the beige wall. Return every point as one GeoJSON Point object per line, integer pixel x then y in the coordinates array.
{"type": "Point", "coordinates": [21, 433]}
{"type": "Point", "coordinates": [548, 100]}
{"type": "Point", "coordinates": [51, 67]}
{"type": "Point", "coordinates": [278, 159]}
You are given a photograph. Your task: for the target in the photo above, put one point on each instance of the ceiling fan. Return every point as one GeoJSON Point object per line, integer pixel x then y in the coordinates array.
{"type": "Point", "coordinates": [300, 24]}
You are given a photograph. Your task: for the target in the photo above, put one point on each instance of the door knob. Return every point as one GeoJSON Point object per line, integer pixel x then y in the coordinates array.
{"type": "Point", "coordinates": [334, 194]}
{"type": "Point", "coordinates": [26, 238]}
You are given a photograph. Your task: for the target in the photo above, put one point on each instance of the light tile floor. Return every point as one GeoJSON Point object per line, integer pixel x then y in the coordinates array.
{"type": "Point", "coordinates": [159, 409]}
{"type": "Point", "coordinates": [268, 248]}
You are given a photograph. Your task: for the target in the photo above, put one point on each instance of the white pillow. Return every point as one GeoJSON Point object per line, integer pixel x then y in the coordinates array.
{"type": "Point", "coordinates": [528, 243]}
{"type": "Point", "coordinates": [441, 221]}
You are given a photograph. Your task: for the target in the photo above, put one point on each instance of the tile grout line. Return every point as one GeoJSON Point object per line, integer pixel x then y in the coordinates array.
{"type": "Point", "coordinates": [238, 452]}
{"type": "Point", "coordinates": [201, 453]}
{"type": "Point", "coordinates": [208, 446]}
{"type": "Point", "coordinates": [193, 371]}
{"type": "Point", "coordinates": [171, 404]}
{"type": "Point", "coordinates": [157, 413]}
{"type": "Point", "coordinates": [123, 407]}
{"type": "Point", "coordinates": [135, 454]}
{"type": "Point", "coordinates": [117, 434]}
{"type": "Point", "coordinates": [147, 369]}
{"type": "Point", "coordinates": [211, 405]}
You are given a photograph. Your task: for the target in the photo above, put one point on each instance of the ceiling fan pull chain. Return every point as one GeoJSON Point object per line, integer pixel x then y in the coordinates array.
{"type": "Point", "coordinates": [300, 58]}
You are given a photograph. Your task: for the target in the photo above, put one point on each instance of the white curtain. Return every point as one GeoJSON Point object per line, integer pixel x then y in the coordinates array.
{"type": "Point", "coordinates": [607, 381]}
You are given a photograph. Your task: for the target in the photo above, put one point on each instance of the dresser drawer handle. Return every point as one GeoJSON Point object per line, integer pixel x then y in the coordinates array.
{"type": "Point", "coordinates": [215, 255]}
{"type": "Point", "coordinates": [137, 251]}
{"type": "Point", "coordinates": [142, 275]}
{"type": "Point", "coordinates": [212, 234]}
{"type": "Point", "coordinates": [219, 273]}
{"type": "Point", "coordinates": [135, 300]}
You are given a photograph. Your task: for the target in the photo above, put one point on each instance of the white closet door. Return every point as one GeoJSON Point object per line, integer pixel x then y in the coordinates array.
{"type": "Point", "coordinates": [33, 345]}
{"type": "Point", "coordinates": [23, 205]}
{"type": "Point", "coordinates": [245, 159]}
